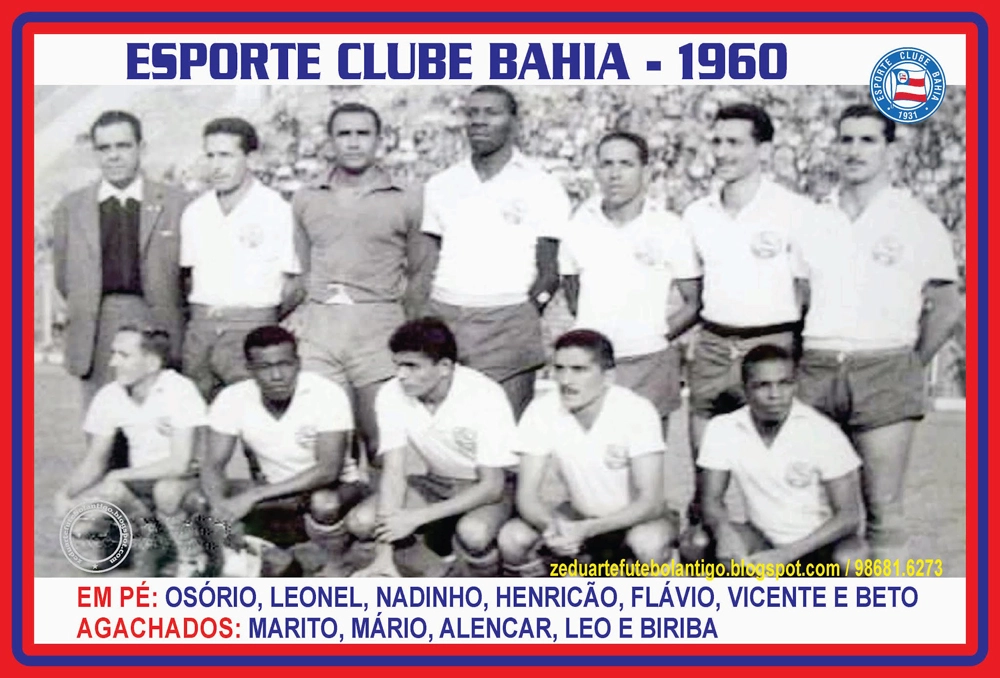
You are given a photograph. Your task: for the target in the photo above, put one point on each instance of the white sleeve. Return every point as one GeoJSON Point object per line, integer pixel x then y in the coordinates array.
{"type": "Point", "coordinates": [497, 432]}
{"type": "Point", "coordinates": [390, 418]}
{"type": "Point", "coordinates": [689, 223]}
{"type": "Point", "coordinates": [333, 408]}
{"type": "Point", "coordinates": [532, 431]}
{"type": "Point", "coordinates": [101, 419]}
{"type": "Point", "coordinates": [189, 242]}
{"type": "Point", "coordinates": [224, 414]}
{"type": "Point", "coordinates": [288, 259]}
{"type": "Point", "coordinates": [645, 429]}
{"type": "Point", "coordinates": [189, 410]}
{"type": "Point", "coordinates": [553, 208]}
{"type": "Point", "coordinates": [714, 453]}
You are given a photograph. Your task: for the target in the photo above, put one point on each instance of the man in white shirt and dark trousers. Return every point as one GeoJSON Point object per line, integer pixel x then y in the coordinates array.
{"type": "Point", "coordinates": [499, 217]}
{"type": "Point", "coordinates": [608, 445]}
{"type": "Point", "coordinates": [620, 258]}
{"type": "Point", "coordinates": [295, 427]}
{"type": "Point", "coordinates": [884, 298]}
{"type": "Point", "coordinates": [159, 412]}
{"type": "Point", "coordinates": [754, 282]}
{"type": "Point", "coordinates": [797, 470]}
{"type": "Point", "coordinates": [238, 249]}
{"type": "Point", "coordinates": [447, 435]}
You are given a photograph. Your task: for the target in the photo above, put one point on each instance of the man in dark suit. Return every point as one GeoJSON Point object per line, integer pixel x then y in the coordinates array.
{"type": "Point", "coordinates": [116, 249]}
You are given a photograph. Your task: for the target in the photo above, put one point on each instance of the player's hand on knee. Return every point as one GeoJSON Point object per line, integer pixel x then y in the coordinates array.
{"type": "Point", "coordinates": [729, 544]}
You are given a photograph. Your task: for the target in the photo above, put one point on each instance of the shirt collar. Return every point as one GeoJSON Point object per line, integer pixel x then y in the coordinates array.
{"type": "Point", "coordinates": [745, 422]}
{"type": "Point", "coordinates": [380, 180]}
{"type": "Point", "coordinates": [517, 161]}
{"type": "Point", "coordinates": [107, 190]}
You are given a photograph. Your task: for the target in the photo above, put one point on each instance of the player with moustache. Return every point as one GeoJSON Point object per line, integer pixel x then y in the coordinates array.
{"type": "Point", "coordinates": [238, 255]}
{"type": "Point", "coordinates": [367, 266]}
{"type": "Point", "coordinates": [160, 413]}
{"type": "Point", "coordinates": [884, 299]}
{"type": "Point", "coordinates": [797, 470]}
{"type": "Point", "coordinates": [498, 217]}
{"type": "Point", "coordinates": [621, 257]}
{"type": "Point", "coordinates": [607, 444]}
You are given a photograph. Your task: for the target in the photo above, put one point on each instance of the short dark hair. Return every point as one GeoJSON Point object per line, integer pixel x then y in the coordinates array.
{"type": "Point", "coordinates": [636, 140]}
{"type": "Point", "coordinates": [593, 342]}
{"type": "Point", "coordinates": [354, 107]}
{"type": "Point", "coordinates": [267, 336]}
{"type": "Point", "coordinates": [869, 111]}
{"type": "Point", "coordinates": [113, 118]}
{"type": "Point", "coordinates": [237, 127]}
{"type": "Point", "coordinates": [152, 340]}
{"type": "Point", "coordinates": [763, 128]}
{"type": "Point", "coordinates": [762, 354]}
{"type": "Point", "coordinates": [502, 91]}
{"type": "Point", "coordinates": [429, 336]}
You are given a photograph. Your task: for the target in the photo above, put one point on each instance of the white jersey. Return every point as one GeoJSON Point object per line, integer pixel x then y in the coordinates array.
{"type": "Point", "coordinates": [285, 446]}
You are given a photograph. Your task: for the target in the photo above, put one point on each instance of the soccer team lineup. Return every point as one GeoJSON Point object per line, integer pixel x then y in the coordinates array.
{"type": "Point", "coordinates": [340, 344]}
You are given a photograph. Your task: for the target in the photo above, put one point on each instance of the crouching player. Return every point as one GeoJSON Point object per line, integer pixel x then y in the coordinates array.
{"type": "Point", "coordinates": [607, 443]}
{"type": "Point", "coordinates": [295, 428]}
{"type": "Point", "coordinates": [797, 470]}
{"type": "Point", "coordinates": [459, 426]}
{"type": "Point", "coordinates": [159, 412]}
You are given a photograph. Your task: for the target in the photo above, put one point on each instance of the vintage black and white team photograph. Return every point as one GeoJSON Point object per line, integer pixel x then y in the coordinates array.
{"type": "Point", "coordinates": [485, 331]}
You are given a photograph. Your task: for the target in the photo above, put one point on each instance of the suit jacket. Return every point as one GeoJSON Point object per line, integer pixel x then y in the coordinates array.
{"type": "Point", "coordinates": [77, 254]}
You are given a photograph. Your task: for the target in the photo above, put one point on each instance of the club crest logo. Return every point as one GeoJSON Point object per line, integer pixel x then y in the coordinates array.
{"type": "Point", "coordinates": [767, 244]}
{"type": "Point", "coordinates": [907, 85]}
{"type": "Point", "coordinates": [887, 251]}
{"type": "Point", "coordinates": [465, 441]}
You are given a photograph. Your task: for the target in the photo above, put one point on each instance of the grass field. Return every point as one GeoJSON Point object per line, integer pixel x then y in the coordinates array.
{"type": "Point", "coordinates": [935, 487]}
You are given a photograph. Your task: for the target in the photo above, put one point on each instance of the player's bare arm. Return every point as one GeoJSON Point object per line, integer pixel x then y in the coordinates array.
{"type": "Point", "coordinates": [331, 446]}
{"type": "Point", "coordinates": [685, 317]}
{"type": "Point", "coordinates": [943, 312]}
{"type": "Point", "coordinates": [89, 472]}
{"type": "Point", "coordinates": [547, 278]}
{"type": "Point", "coordinates": [728, 543]}
{"type": "Point", "coordinates": [843, 493]}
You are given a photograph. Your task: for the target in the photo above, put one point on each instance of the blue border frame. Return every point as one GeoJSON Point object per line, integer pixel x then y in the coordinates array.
{"type": "Point", "coordinates": [496, 17]}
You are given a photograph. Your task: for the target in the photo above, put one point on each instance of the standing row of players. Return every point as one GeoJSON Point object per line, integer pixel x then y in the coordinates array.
{"type": "Point", "coordinates": [871, 273]}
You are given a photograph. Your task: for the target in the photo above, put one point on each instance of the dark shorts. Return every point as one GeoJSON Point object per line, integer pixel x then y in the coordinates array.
{"type": "Point", "coordinates": [715, 381]}
{"type": "Point", "coordinates": [865, 390]}
{"type": "Point", "coordinates": [280, 521]}
{"type": "Point", "coordinates": [654, 376]}
{"type": "Point", "coordinates": [433, 489]}
{"type": "Point", "coordinates": [500, 341]}
{"type": "Point", "coordinates": [349, 344]}
{"type": "Point", "coordinates": [213, 345]}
